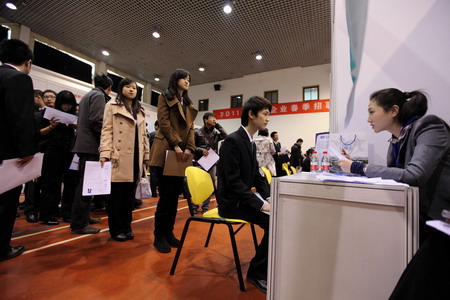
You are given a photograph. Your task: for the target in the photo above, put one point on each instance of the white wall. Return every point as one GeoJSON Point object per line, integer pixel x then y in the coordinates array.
{"type": "Point", "coordinates": [289, 83]}
{"type": "Point", "coordinates": [406, 46]}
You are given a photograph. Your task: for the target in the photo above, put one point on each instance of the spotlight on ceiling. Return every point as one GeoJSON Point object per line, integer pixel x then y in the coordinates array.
{"type": "Point", "coordinates": [156, 77]}
{"type": "Point", "coordinates": [227, 8]}
{"type": "Point", "coordinates": [258, 56]}
{"type": "Point", "coordinates": [156, 32]}
{"type": "Point", "coordinates": [10, 5]}
{"type": "Point", "coordinates": [105, 52]}
{"type": "Point", "coordinates": [201, 68]}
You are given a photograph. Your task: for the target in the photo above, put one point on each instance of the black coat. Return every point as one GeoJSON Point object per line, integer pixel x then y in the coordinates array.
{"type": "Point", "coordinates": [238, 173]}
{"type": "Point", "coordinates": [296, 156]}
{"type": "Point", "coordinates": [17, 132]}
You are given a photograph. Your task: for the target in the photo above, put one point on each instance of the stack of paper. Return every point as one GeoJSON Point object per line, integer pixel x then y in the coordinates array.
{"type": "Point", "coordinates": [357, 179]}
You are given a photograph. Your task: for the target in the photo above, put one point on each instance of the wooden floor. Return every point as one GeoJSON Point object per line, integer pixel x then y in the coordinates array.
{"type": "Point", "coordinates": [61, 265]}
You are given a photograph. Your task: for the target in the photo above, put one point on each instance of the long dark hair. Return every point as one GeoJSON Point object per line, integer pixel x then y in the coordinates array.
{"type": "Point", "coordinates": [172, 90]}
{"type": "Point", "coordinates": [411, 104]}
{"type": "Point", "coordinates": [120, 99]}
{"type": "Point", "coordinates": [66, 97]}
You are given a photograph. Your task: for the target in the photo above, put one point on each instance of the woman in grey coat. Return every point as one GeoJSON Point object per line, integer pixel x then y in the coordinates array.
{"type": "Point", "coordinates": [419, 155]}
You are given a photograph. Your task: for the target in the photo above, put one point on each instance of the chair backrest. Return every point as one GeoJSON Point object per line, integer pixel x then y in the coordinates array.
{"type": "Point", "coordinates": [268, 175]}
{"type": "Point", "coordinates": [294, 170]}
{"type": "Point", "coordinates": [199, 183]}
{"type": "Point", "coordinates": [286, 168]}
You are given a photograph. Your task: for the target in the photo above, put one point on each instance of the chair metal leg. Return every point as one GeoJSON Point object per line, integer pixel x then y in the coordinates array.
{"type": "Point", "coordinates": [236, 258]}
{"type": "Point", "coordinates": [255, 240]}
{"type": "Point", "coordinates": [177, 256]}
{"type": "Point", "coordinates": [239, 228]}
{"type": "Point", "coordinates": [209, 234]}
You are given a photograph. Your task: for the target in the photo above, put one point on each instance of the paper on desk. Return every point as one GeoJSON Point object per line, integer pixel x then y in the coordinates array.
{"type": "Point", "coordinates": [19, 175]}
{"type": "Point", "coordinates": [62, 117]}
{"type": "Point", "coordinates": [97, 180]}
{"type": "Point", "coordinates": [439, 225]}
{"type": "Point", "coordinates": [208, 161]}
{"type": "Point", "coordinates": [337, 154]}
{"type": "Point", "coordinates": [357, 179]}
{"type": "Point", "coordinates": [261, 198]}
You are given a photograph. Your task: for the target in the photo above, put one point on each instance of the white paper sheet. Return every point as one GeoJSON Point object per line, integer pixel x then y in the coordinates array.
{"type": "Point", "coordinates": [357, 179]}
{"type": "Point", "coordinates": [97, 180]}
{"type": "Point", "coordinates": [439, 225]}
{"type": "Point", "coordinates": [208, 161]}
{"type": "Point", "coordinates": [264, 201]}
{"type": "Point", "coordinates": [15, 176]}
{"type": "Point", "coordinates": [63, 117]}
{"type": "Point", "coordinates": [337, 154]}
{"type": "Point", "coordinates": [74, 165]}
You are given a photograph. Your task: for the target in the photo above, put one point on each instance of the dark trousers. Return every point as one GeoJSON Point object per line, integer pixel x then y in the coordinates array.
{"type": "Point", "coordinates": [259, 263]}
{"type": "Point", "coordinates": [120, 209]}
{"type": "Point", "coordinates": [70, 182]}
{"type": "Point", "coordinates": [56, 163]}
{"type": "Point", "coordinates": [33, 196]}
{"type": "Point", "coordinates": [166, 210]}
{"type": "Point", "coordinates": [9, 201]}
{"type": "Point", "coordinates": [427, 275]}
{"type": "Point", "coordinates": [82, 204]}
{"type": "Point", "coordinates": [153, 181]}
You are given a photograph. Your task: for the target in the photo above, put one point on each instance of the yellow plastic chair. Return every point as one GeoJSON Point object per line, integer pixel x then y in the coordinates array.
{"type": "Point", "coordinates": [198, 188]}
{"type": "Point", "coordinates": [294, 170]}
{"type": "Point", "coordinates": [285, 167]}
{"type": "Point", "coordinates": [268, 175]}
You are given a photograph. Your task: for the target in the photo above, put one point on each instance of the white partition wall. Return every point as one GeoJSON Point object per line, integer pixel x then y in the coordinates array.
{"type": "Point", "coordinates": [406, 45]}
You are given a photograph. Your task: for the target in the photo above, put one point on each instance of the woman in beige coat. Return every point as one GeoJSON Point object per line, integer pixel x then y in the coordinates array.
{"type": "Point", "coordinates": [176, 116]}
{"type": "Point", "coordinates": [123, 142]}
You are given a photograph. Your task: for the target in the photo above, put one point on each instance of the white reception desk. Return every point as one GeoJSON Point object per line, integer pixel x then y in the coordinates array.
{"type": "Point", "coordinates": [339, 241]}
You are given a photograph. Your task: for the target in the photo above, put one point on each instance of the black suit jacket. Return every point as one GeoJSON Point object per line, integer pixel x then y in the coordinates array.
{"type": "Point", "coordinates": [238, 173]}
{"type": "Point", "coordinates": [17, 129]}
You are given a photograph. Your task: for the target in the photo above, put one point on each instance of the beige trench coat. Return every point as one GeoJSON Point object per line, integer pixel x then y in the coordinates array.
{"type": "Point", "coordinates": [175, 128]}
{"type": "Point", "coordinates": [117, 141]}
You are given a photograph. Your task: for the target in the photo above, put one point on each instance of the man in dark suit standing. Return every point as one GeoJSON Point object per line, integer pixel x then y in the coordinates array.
{"type": "Point", "coordinates": [238, 173]}
{"type": "Point", "coordinates": [16, 130]}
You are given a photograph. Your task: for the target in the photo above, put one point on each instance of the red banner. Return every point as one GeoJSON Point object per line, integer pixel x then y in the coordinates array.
{"type": "Point", "coordinates": [288, 108]}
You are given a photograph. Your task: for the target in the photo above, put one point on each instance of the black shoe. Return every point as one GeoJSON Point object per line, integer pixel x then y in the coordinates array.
{"type": "Point", "coordinates": [129, 235]}
{"type": "Point", "coordinates": [205, 209]}
{"type": "Point", "coordinates": [13, 252]}
{"type": "Point", "coordinates": [259, 283]}
{"type": "Point", "coordinates": [93, 220]}
{"type": "Point", "coordinates": [172, 240]}
{"type": "Point", "coordinates": [120, 237]}
{"type": "Point", "coordinates": [88, 229]}
{"type": "Point", "coordinates": [195, 210]}
{"type": "Point", "coordinates": [17, 215]}
{"type": "Point", "coordinates": [51, 222]}
{"type": "Point", "coordinates": [32, 218]}
{"type": "Point", "coordinates": [138, 203]}
{"type": "Point", "coordinates": [161, 244]}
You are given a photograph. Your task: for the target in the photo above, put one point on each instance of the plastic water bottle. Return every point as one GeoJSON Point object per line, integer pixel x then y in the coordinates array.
{"type": "Point", "coordinates": [325, 163]}
{"type": "Point", "coordinates": [314, 163]}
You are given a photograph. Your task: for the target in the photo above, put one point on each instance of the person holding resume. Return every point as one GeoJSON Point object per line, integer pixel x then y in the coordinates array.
{"type": "Point", "coordinates": [176, 116]}
{"type": "Point", "coordinates": [124, 142]}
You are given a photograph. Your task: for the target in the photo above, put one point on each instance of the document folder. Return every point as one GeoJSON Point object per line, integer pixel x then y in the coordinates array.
{"type": "Point", "coordinates": [172, 167]}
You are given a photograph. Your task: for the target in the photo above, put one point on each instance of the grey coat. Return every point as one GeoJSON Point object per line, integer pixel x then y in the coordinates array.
{"type": "Point", "coordinates": [424, 161]}
{"type": "Point", "coordinates": [90, 121]}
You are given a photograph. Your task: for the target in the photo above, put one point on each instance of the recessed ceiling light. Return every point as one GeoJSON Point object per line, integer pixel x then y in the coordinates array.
{"type": "Point", "coordinates": [156, 78]}
{"type": "Point", "coordinates": [227, 8]}
{"type": "Point", "coordinates": [156, 34]}
{"type": "Point", "coordinates": [258, 56]}
{"type": "Point", "coordinates": [10, 5]}
{"type": "Point", "coordinates": [105, 52]}
{"type": "Point", "coordinates": [201, 68]}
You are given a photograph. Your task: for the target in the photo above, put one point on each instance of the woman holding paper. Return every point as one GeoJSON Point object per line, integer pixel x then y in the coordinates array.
{"type": "Point", "coordinates": [419, 150]}
{"type": "Point", "coordinates": [55, 167]}
{"type": "Point", "coordinates": [124, 142]}
{"type": "Point", "coordinates": [176, 116]}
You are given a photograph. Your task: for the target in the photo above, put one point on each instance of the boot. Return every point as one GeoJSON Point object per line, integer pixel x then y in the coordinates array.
{"type": "Point", "coordinates": [172, 240]}
{"type": "Point", "coordinates": [161, 244]}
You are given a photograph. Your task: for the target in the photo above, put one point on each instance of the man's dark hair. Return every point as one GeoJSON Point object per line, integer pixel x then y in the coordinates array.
{"type": "Point", "coordinates": [103, 81]}
{"type": "Point", "coordinates": [273, 134]}
{"type": "Point", "coordinates": [207, 115]}
{"type": "Point", "coordinates": [156, 123]}
{"type": "Point", "coordinates": [38, 93]}
{"type": "Point", "coordinates": [14, 52]}
{"type": "Point", "coordinates": [299, 140]}
{"type": "Point", "coordinates": [254, 104]}
{"type": "Point", "coordinates": [49, 91]}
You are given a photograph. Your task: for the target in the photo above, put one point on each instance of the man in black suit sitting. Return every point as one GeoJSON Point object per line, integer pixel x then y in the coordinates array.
{"type": "Point", "coordinates": [238, 173]}
{"type": "Point", "coordinates": [16, 130]}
